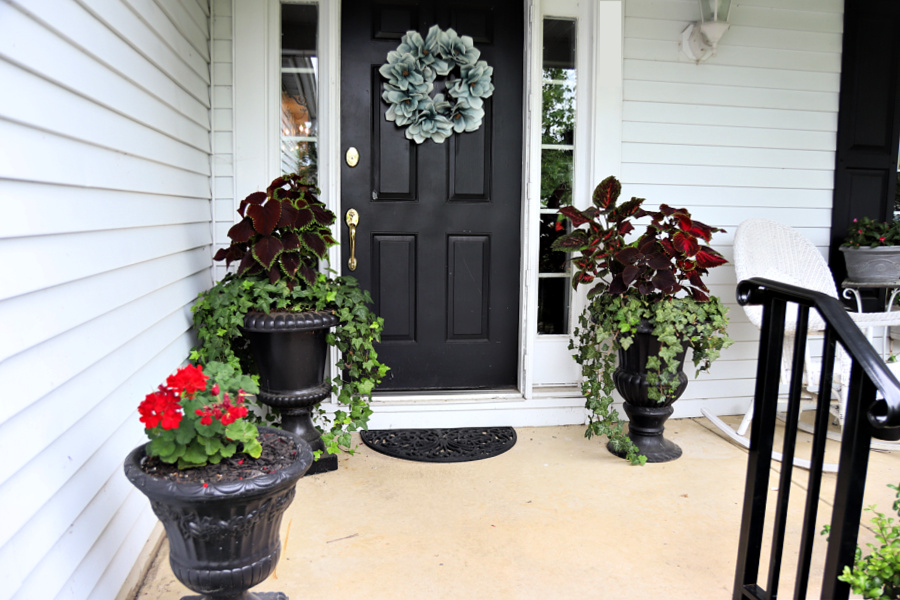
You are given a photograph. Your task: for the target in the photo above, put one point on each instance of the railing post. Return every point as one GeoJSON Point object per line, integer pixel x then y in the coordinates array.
{"type": "Point", "coordinates": [762, 433]}
{"type": "Point", "coordinates": [851, 484]}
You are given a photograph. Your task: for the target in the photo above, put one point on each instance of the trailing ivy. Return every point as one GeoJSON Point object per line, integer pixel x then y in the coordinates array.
{"type": "Point", "coordinates": [219, 314]}
{"type": "Point", "coordinates": [610, 323]}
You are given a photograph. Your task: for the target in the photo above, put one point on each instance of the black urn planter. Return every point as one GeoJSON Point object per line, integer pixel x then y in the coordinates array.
{"type": "Point", "coordinates": [291, 354]}
{"type": "Point", "coordinates": [646, 417]}
{"type": "Point", "coordinates": [223, 537]}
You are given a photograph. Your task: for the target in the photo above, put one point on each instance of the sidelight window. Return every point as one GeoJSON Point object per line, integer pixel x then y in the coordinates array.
{"type": "Point", "coordinates": [557, 172]}
{"type": "Point", "coordinates": [299, 89]}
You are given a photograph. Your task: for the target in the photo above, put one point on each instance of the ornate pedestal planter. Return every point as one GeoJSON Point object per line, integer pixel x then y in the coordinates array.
{"type": "Point", "coordinates": [646, 417]}
{"type": "Point", "coordinates": [291, 354]}
{"type": "Point", "coordinates": [223, 537]}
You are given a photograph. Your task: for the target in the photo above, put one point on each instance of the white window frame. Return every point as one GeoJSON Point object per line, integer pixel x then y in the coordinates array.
{"type": "Point", "coordinates": [598, 139]}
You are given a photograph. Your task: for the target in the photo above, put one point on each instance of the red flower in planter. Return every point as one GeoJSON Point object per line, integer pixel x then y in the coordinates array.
{"type": "Point", "coordinates": [191, 423]}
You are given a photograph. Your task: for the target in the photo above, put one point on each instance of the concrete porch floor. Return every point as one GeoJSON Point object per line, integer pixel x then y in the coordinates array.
{"type": "Point", "coordinates": [557, 516]}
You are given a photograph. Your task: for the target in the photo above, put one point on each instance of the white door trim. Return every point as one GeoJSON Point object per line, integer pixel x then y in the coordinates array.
{"type": "Point", "coordinates": [257, 161]}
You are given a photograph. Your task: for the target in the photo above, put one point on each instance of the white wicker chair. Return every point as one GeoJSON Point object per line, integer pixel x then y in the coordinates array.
{"type": "Point", "coordinates": [771, 250]}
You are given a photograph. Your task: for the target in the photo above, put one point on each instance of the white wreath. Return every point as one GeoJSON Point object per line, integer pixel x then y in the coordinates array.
{"type": "Point", "coordinates": [411, 70]}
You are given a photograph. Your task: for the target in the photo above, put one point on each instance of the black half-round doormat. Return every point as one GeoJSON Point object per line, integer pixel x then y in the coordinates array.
{"type": "Point", "coordinates": [441, 445]}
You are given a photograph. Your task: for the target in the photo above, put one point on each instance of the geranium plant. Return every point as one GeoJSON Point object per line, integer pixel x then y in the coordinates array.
{"type": "Point", "coordinates": [865, 232]}
{"type": "Point", "coordinates": [196, 417]}
{"type": "Point", "coordinates": [654, 277]}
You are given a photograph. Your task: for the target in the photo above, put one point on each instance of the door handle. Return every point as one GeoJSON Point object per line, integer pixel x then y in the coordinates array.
{"type": "Point", "coordinates": [352, 222]}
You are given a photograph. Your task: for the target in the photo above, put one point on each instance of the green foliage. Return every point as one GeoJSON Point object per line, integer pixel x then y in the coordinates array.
{"type": "Point", "coordinates": [219, 314]}
{"type": "Point", "coordinates": [877, 575]}
{"type": "Point", "coordinates": [865, 232]}
{"type": "Point", "coordinates": [610, 322]}
{"type": "Point", "coordinates": [639, 281]}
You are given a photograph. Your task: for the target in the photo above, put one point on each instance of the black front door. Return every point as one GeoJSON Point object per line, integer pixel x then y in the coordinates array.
{"type": "Point", "coordinates": [438, 240]}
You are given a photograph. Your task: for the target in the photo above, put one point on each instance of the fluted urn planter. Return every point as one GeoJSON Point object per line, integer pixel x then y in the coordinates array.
{"type": "Point", "coordinates": [647, 417]}
{"type": "Point", "coordinates": [291, 352]}
{"type": "Point", "coordinates": [223, 537]}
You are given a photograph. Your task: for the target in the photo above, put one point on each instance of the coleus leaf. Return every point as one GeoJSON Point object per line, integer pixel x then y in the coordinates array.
{"type": "Point", "coordinates": [248, 265]}
{"type": "Point", "coordinates": [617, 285]}
{"type": "Point", "coordinates": [314, 242]}
{"type": "Point", "coordinates": [698, 295]}
{"type": "Point", "coordinates": [645, 287]}
{"type": "Point", "coordinates": [577, 217]}
{"type": "Point", "coordinates": [241, 231]}
{"type": "Point", "coordinates": [664, 280]}
{"type": "Point", "coordinates": [265, 216]}
{"type": "Point", "coordinates": [291, 242]}
{"type": "Point", "coordinates": [625, 227]}
{"type": "Point", "coordinates": [288, 215]}
{"type": "Point", "coordinates": [322, 215]}
{"type": "Point", "coordinates": [597, 289]}
{"type": "Point", "coordinates": [659, 261]}
{"type": "Point", "coordinates": [629, 274]}
{"type": "Point", "coordinates": [266, 250]}
{"type": "Point", "coordinates": [307, 273]}
{"type": "Point", "coordinates": [290, 262]}
{"type": "Point", "coordinates": [685, 243]}
{"type": "Point", "coordinates": [231, 253]}
{"type": "Point", "coordinates": [606, 193]}
{"type": "Point", "coordinates": [709, 258]}
{"type": "Point", "coordinates": [628, 209]}
{"type": "Point", "coordinates": [628, 255]}
{"type": "Point", "coordinates": [648, 246]}
{"type": "Point", "coordinates": [252, 199]}
{"type": "Point", "coordinates": [304, 218]}
{"type": "Point", "coordinates": [276, 183]}
{"type": "Point", "coordinates": [571, 242]}
{"type": "Point", "coordinates": [668, 210]}
{"type": "Point", "coordinates": [582, 277]}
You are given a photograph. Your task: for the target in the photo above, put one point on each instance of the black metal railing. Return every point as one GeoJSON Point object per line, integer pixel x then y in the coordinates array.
{"type": "Point", "coordinates": [868, 415]}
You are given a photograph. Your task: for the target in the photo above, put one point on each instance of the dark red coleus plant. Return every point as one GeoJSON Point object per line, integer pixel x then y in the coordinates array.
{"type": "Point", "coordinates": [283, 233]}
{"type": "Point", "coordinates": [668, 257]}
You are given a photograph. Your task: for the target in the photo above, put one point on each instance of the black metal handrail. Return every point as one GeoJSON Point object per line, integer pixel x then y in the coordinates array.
{"type": "Point", "coordinates": [867, 415]}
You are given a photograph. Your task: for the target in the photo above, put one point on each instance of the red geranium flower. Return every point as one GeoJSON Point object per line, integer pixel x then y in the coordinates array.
{"type": "Point", "coordinates": [188, 380]}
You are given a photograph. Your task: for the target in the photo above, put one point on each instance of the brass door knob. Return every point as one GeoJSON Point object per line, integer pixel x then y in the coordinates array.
{"type": "Point", "coordinates": [352, 222]}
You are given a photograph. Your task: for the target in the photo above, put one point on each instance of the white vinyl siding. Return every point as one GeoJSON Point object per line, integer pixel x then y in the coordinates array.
{"type": "Point", "coordinates": [105, 243]}
{"type": "Point", "coordinates": [224, 202]}
{"type": "Point", "coordinates": [750, 132]}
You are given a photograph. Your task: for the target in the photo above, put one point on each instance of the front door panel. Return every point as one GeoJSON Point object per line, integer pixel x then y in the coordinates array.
{"type": "Point", "coordinates": [438, 240]}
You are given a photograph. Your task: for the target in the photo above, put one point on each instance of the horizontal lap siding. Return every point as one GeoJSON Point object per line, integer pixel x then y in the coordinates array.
{"type": "Point", "coordinates": [224, 202]}
{"type": "Point", "coordinates": [749, 133]}
{"type": "Point", "coordinates": [105, 143]}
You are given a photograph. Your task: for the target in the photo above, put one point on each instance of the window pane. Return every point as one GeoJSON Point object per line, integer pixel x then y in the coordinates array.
{"type": "Point", "coordinates": [559, 43]}
{"type": "Point", "coordinates": [299, 89]}
{"type": "Point", "coordinates": [553, 305]}
{"type": "Point", "coordinates": [552, 261]}
{"type": "Point", "coordinates": [556, 178]}
{"type": "Point", "coordinates": [558, 107]}
{"type": "Point", "coordinates": [557, 170]}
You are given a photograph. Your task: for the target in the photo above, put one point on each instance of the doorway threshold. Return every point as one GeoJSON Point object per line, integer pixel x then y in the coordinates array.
{"type": "Point", "coordinates": [431, 396]}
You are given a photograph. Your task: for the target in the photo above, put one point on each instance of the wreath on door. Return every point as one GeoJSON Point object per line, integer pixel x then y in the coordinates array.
{"type": "Point", "coordinates": [411, 71]}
